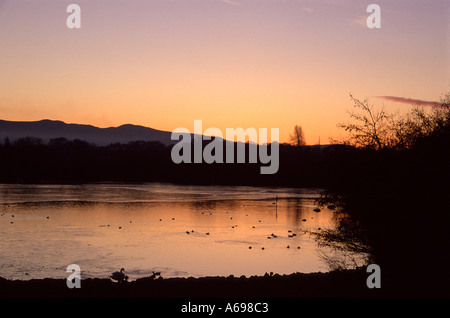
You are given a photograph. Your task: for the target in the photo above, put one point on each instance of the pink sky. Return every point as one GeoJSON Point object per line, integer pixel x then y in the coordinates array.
{"type": "Point", "coordinates": [240, 63]}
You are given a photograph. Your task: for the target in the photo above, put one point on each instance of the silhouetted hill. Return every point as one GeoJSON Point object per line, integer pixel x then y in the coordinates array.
{"type": "Point", "coordinates": [50, 129]}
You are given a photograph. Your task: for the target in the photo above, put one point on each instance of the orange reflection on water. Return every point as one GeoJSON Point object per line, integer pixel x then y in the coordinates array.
{"type": "Point", "coordinates": [190, 238]}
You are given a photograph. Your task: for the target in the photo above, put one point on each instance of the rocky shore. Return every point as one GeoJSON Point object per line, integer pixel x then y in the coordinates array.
{"type": "Point", "coordinates": [350, 283]}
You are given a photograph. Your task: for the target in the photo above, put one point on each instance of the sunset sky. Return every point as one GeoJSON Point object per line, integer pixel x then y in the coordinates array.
{"type": "Point", "coordinates": [239, 63]}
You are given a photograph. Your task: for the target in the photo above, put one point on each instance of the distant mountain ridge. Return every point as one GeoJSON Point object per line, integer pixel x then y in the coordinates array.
{"type": "Point", "coordinates": [49, 129]}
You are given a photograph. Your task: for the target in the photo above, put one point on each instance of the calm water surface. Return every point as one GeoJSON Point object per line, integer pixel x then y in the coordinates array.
{"type": "Point", "coordinates": [144, 228]}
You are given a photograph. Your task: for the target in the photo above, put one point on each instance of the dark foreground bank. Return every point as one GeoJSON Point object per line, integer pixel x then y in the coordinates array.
{"type": "Point", "coordinates": [350, 283]}
{"type": "Point", "coordinates": [271, 296]}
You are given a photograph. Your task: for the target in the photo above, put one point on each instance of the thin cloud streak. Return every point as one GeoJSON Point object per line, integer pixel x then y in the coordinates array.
{"type": "Point", "coordinates": [309, 10]}
{"type": "Point", "coordinates": [233, 3]}
{"type": "Point", "coordinates": [411, 101]}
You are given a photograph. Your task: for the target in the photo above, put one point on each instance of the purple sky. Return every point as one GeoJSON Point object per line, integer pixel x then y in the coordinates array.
{"type": "Point", "coordinates": [239, 63]}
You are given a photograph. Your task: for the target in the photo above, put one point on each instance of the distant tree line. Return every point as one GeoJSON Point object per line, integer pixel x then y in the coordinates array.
{"type": "Point", "coordinates": [29, 160]}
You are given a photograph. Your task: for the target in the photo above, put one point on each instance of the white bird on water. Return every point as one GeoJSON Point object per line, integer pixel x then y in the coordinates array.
{"type": "Point", "coordinates": [120, 276]}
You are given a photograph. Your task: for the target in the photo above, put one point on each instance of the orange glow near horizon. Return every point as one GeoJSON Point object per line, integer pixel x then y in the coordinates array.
{"type": "Point", "coordinates": [260, 64]}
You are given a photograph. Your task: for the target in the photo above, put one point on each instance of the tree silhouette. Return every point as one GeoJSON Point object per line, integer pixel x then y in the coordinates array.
{"type": "Point", "coordinates": [297, 138]}
{"type": "Point", "coordinates": [371, 128]}
{"type": "Point", "coordinates": [377, 129]}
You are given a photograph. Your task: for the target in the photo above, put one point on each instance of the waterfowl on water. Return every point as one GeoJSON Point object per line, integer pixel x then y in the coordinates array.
{"type": "Point", "coordinates": [120, 276]}
{"type": "Point", "coordinates": [154, 274]}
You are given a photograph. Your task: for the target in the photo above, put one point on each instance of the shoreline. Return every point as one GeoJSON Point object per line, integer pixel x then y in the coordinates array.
{"type": "Point", "coordinates": [339, 284]}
